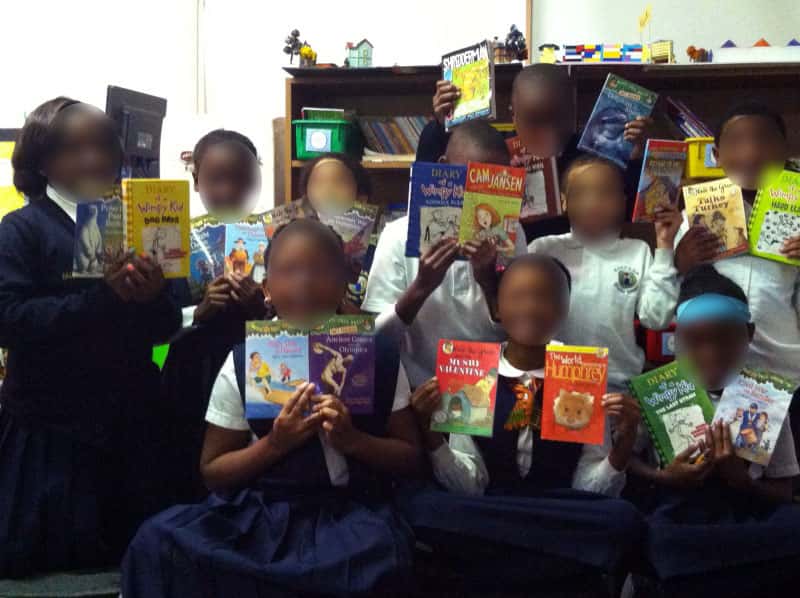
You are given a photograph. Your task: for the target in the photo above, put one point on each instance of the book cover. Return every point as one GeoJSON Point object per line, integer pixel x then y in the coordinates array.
{"type": "Point", "coordinates": [342, 361]}
{"type": "Point", "coordinates": [284, 214]}
{"type": "Point", "coordinates": [355, 225]}
{"type": "Point", "coordinates": [492, 203]}
{"type": "Point", "coordinates": [575, 381]}
{"type": "Point", "coordinates": [619, 102]}
{"type": "Point", "coordinates": [435, 199]}
{"type": "Point", "coordinates": [718, 206]}
{"type": "Point", "coordinates": [675, 408]}
{"type": "Point", "coordinates": [245, 246]}
{"type": "Point", "coordinates": [471, 70]}
{"type": "Point", "coordinates": [467, 374]}
{"type": "Point", "coordinates": [99, 235]}
{"type": "Point", "coordinates": [541, 197]}
{"type": "Point", "coordinates": [775, 216]}
{"type": "Point", "coordinates": [660, 181]}
{"type": "Point", "coordinates": [276, 363]}
{"type": "Point", "coordinates": [755, 405]}
{"type": "Point", "coordinates": [157, 222]}
{"type": "Point", "coordinates": [207, 259]}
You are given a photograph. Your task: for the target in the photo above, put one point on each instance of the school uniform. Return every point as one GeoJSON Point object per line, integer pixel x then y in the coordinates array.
{"type": "Point", "coordinates": [80, 426]}
{"type": "Point", "coordinates": [456, 309]}
{"type": "Point", "coordinates": [613, 280]}
{"type": "Point", "coordinates": [316, 521]}
{"type": "Point", "coordinates": [773, 295]}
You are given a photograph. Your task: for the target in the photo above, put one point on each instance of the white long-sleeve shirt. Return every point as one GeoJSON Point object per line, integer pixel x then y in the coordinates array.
{"type": "Point", "coordinates": [459, 465]}
{"type": "Point", "coordinates": [612, 281]}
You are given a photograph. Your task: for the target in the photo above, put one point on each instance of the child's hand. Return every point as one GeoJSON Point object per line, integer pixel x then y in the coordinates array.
{"type": "Point", "coordinates": [444, 100]}
{"type": "Point", "coordinates": [791, 248]}
{"type": "Point", "coordinates": [216, 297]}
{"type": "Point", "coordinates": [146, 279]}
{"type": "Point", "coordinates": [336, 423]}
{"type": "Point", "coordinates": [292, 427]}
{"type": "Point", "coordinates": [434, 264]}
{"type": "Point", "coordinates": [637, 132]}
{"type": "Point", "coordinates": [625, 412]}
{"type": "Point", "coordinates": [667, 222]}
{"type": "Point", "coordinates": [731, 468]}
{"type": "Point", "coordinates": [685, 472]}
{"type": "Point", "coordinates": [116, 277]}
{"type": "Point", "coordinates": [699, 245]}
{"type": "Point", "coordinates": [247, 293]}
{"type": "Point", "coordinates": [482, 256]}
{"type": "Point", "coordinates": [425, 400]}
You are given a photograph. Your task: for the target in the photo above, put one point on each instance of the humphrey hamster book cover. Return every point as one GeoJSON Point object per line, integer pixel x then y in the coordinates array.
{"type": "Point", "coordinates": [435, 200]}
{"type": "Point", "coordinates": [718, 206]}
{"type": "Point", "coordinates": [619, 102]}
{"type": "Point", "coordinates": [775, 216]}
{"type": "Point", "coordinates": [575, 381]}
{"type": "Point", "coordinates": [99, 234]}
{"type": "Point", "coordinates": [471, 70]}
{"type": "Point", "coordinates": [660, 181]}
{"type": "Point", "coordinates": [467, 374]}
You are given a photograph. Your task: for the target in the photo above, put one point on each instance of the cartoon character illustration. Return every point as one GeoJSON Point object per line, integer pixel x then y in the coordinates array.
{"type": "Point", "coordinates": [437, 224]}
{"type": "Point", "coordinates": [258, 262]}
{"type": "Point", "coordinates": [761, 426]}
{"type": "Point", "coordinates": [337, 366]}
{"type": "Point", "coordinates": [489, 225]}
{"type": "Point", "coordinates": [699, 220]}
{"type": "Point", "coordinates": [259, 375]}
{"type": "Point", "coordinates": [239, 256]}
{"type": "Point", "coordinates": [658, 194]}
{"type": "Point", "coordinates": [747, 435]}
{"type": "Point", "coordinates": [457, 410]}
{"type": "Point", "coordinates": [89, 245]}
{"type": "Point", "coordinates": [684, 426]}
{"type": "Point", "coordinates": [286, 373]}
{"type": "Point", "coordinates": [204, 269]}
{"type": "Point", "coordinates": [718, 228]}
{"type": "Point", "coordinates": [573, 410]}
{"type": "Point", "coordinates": [158, 246]}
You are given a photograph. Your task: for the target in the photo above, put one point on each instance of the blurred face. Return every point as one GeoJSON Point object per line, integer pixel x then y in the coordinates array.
{"type": "Point", "coordinates": [542, 117]}
{"type": "Point", "coordinates": [594, 200]}
{"type": "Point", "coordinates": [86, 155]}
{"type": "Point", "coordinates": [304, 282]}
{"type": "Point", "coordinates": [530, 305]}
{"type": "Point", "coordinates": [747, 146]}
{"type": "Point", "coordinates": [331, 186]}
{"type": "Point", "coordinates": [717, 349]}
{"type": "Point", "coordinates": [228, 179]}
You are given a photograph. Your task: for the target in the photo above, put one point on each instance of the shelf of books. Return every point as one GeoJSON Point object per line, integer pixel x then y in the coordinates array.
{"type": "Point", "coordinates": [371, 164]}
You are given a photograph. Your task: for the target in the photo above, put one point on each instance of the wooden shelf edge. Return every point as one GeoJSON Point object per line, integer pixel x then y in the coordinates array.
{"type": "Point", "coordinates": [368, 164]}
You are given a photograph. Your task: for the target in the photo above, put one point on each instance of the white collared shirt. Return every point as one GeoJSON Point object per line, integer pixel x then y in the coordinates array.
{"type": "Point", "coordinates": [459, 465]}
{"type": "Point", "coordinates": [68, 205]}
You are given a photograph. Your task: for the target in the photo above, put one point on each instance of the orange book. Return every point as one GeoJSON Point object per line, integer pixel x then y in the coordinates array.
{"type": "Point", "coordinates": [574, 384]}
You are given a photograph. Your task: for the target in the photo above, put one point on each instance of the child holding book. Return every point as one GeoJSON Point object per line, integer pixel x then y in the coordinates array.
{"type": "Point", "coordinates": [718, 524]}
{"type": "Point", "coordinates": [513, 488]}
{"type": "Point", "coordinates": [299, 507]}
{"type": "Point", "coordinates": [82, 435]}
{"type": "Point", "coordinates": [750, 138]}
{"type": "Point", "coordinates": [434, 296]}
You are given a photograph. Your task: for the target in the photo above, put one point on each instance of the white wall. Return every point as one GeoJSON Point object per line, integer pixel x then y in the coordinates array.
{"type": "Point", "coordinates": [703, 23]}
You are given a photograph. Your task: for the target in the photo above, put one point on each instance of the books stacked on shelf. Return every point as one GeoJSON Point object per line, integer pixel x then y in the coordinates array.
{"type": "Point", "coordinates": [307, 113]}
{"type": "Point", "coordinates": [592, 52]}
{"type": "Point", "coordinates": [687, 121]}
{"type": "Point", "coordinates": [372, 156]}
{"type": "Point", "coordinates": [573, 53]}
{"type": "Point", "coordinates": [391, 135]}
{"type": "Point", "coordinates": [632, 52]}
{"type": "Point", "coordinates": [612, 53]}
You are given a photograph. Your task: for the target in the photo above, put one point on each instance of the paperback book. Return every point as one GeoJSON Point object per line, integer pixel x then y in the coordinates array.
{"type": "Point", "coordinates": [755, 406]}
{"type": "Point", "coordinates": [775, 216]}
{"type": "Point", "coordinates": [435, 201]}
{"type": "Point", "coordinates": [355, 225]}
{"type": "Point", "coordinates": [718, 206]}
{"type": "Point", "coordinates": [207, 260]}
{"type": "Point", "coordinates": [467, 375]}
{"type": "Point", "coordinates": [541, 196]}
{"type": "Point", "coordinates": [620, 101]}
{"type": "Point", "coordinates": [99, 234]}
{"type": "Point", "coordinates": [471, 70]}
{"type": "Point", "coordinates": [575, 381]}
{"type": "Point", "coordinates": [675, 408]}
{"type": "Point", "coordinates": [660, 182]}
{"type": "Point", "coordinates": [245, 248]}
{"type": "Point", "coordinates": [284, 214]}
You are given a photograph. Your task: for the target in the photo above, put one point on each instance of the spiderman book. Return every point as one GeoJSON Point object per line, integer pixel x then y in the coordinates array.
{"type": "Point", "coordinates": [471, 70]}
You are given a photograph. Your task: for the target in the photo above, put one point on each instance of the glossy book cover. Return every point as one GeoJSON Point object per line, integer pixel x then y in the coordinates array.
{"type": "Point", "coordinates": [99, 235]}
{"type": "Point", "coordinates": [435, 200]}
{"type": "Point", "coordinates": [718, 207]}
{"type": "Point", "coordinates": [471, 70]}
{"type": "Point", "coordinates": [660, 181]}
{"type": "Point", "coordinates": [207, 260]}
{"type": "Point", "coordinates": [775, 216]}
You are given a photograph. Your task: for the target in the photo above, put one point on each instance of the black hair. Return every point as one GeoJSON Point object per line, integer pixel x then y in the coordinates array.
{"type": "Point", "coordinates": [217, 137]}
{"type": "Point", "coordinates": [324, 235]}
{"type": "Point", "coordinates": [360, 174]}
{"type": "Point", "coordinates": [587, 159]}
{"type": "Point", "coordinates": [482, 135]}
{"type": "Point", "coordinates": [540, 261]}
{"type": "Point", "coordinates": [704, 279]}
{"type": "Point", "coordinates": [543, 73]}
{"type": "Point", "coordinates": [750, 108]}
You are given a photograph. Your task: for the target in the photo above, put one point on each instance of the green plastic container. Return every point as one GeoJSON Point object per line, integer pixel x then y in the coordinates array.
{"type": "Point", "coordinates": [313, 138]}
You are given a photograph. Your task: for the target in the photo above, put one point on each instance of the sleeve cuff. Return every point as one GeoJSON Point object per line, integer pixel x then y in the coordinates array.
{"type": "Point", "coordinates": [223, 420]}
{"type": "Point", "coordinates": [664, 257]}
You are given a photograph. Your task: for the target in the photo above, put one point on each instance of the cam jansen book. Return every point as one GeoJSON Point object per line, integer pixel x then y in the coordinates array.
{"type": "Point", "coordinates": [775, 216]}
{"type": "Point", "coordinates": [467, 374]}
{"type": "Point", "coordinates": [99, 234]}
{"type": "Point", "coordinates": [675, 408]}
{"type": "Point", "coordinates": [660, 181]}
{"type": "Point", "coordinates": [575, 381]}
{"type": "Point", "coordinates": [435, 200]}
{"type": "Point", "coordinates": [541, 197]}
{"type": "Point", "coordinates": [620, 101]}
{"type": "Point", "coordinates": [471, 70]}
{"type": "Point", "coordinates": [755, 406]}
{"type": "Point", "coordinates": [718, 206]}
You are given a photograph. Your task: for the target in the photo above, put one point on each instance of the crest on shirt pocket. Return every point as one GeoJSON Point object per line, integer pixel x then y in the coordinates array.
{"type": "Point", "coordinates": [627, 279]}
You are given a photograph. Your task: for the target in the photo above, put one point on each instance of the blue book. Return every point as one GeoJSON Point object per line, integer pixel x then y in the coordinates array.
{"type": "Point", "coordinates": [435, 199]}
{"type": "Point", "coordinates": [620, 101]}
{"type": "Point", "coordinates": [207, 258]}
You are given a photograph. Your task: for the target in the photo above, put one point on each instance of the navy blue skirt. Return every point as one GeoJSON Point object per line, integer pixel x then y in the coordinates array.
{"type": "Point", "coordinates": [250, 546]}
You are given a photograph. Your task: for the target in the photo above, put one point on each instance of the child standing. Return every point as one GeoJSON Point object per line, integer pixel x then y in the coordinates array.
{"type": "Point", "coordinates": [81, 430]}
{"type": "Point", "coordinates": [300, 507]}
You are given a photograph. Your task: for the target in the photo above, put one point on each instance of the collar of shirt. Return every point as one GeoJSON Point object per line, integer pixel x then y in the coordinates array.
{"type": "Point", "coordinates": [67, 204]}
{"type": "Point", "coordinates": [605, 242]}
{"type": "Point", "coordinates": [507, 370]}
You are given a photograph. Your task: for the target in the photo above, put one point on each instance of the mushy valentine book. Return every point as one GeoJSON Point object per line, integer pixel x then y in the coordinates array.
{"type": "Point", "coordinates": [575, 381]}
{"type": "Point", "coordinates": [435, 200]}
{"type": "Point", "coordinates": [467, 374]}
{"type": "Point", "coordinates": [660, 181]}
{"type": "Point", "coordinates": [471, 70]}
{"type": "Point", "coordinates": [718, 206]}
{"type": "Point", "coordinates": [775, 216]}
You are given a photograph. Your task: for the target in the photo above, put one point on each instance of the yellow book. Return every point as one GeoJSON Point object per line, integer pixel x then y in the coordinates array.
{"type": "Point", "coordinates": [10, 198]}
{"type": "Point", "coordinates": [718, 207]}
{"type": "Point", "coordinates": [157, 222]}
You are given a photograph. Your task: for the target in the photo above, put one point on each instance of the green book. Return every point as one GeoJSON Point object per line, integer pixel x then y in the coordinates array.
{"type": "Point", "coordinates": [675, 407]}
{"type": "Point", "coordinates": [775, 216]}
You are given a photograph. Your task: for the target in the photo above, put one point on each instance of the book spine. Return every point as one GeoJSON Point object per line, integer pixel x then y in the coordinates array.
{"type": "Point", "coordinates": [369, 135]}
{"type": "Point", "coordinates": [752, 234]}
{"type": "Point", "coordinates": [127, 212]}
{"type": "Point", "coordinates": [383, 137]}
{"type": "Point", "coordinates": [400, 141]}
{"type": "Point", "coordinates": [412, 139]}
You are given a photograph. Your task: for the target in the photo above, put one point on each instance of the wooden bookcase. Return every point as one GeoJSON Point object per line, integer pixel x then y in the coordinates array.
{"type": "Point", "coordinates": [708, 89]}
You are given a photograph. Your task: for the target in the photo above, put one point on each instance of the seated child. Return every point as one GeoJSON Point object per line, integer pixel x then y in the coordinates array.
{"type": "Point", "coordinates": [514, 488]}
{"type": "Point", "coordinates": [750, 138]}
{"type": "Point", "coordinates": [720, 525]}
{"type": "Point", "coordinates": [435, 296]}
{"type": "Point", "coordinates": [300, 506]}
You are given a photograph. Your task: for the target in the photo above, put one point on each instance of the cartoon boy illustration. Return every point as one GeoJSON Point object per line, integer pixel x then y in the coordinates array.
{"type": "Point", "coordinates": [239, 257]}
{"type": "Point", "coordinates": [258, 373]}
{"type": "Point", "coordinates": [488, 225]}
{"type": "Point", "coordinates": [258, 262]}
{"type": "Point", "coordinates": [747, 430]}
{"type": "Point", "coordinates": [286, 373]}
